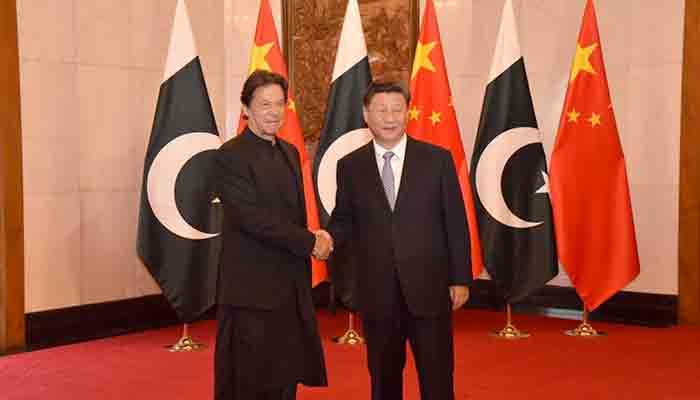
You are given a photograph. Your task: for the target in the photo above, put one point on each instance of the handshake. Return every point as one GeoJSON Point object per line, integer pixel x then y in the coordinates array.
{"type": "Point", "coordinates": [323, 247]}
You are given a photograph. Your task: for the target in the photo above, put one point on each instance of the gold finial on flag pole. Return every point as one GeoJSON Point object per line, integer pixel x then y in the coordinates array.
{"type": "Point", "coordinates": [186, 343]}
{"type": "Point", "coordinates": [510, 331]}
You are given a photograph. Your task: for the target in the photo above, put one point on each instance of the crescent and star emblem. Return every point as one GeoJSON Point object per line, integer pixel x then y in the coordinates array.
{"type": "Point", "coordinates": [491, 165]}
{"type": "Point", "coordinates": [162, 177]}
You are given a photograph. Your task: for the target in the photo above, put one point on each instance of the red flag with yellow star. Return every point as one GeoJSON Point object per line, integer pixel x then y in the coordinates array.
{"type": "Point", "coordinates": [588, 180]}
{"type": "Point", "coordinates": [267, 55]}
{"type": "Point", "coordinates": [432, 116]}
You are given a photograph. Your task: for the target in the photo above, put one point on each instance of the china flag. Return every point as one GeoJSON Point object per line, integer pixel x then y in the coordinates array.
{"type": "Point", "coordinates": [267, 55]}
{"type": "Point", "coordinates": [588, 181]}
{"type": "Point", "coordinates": [432, 118]}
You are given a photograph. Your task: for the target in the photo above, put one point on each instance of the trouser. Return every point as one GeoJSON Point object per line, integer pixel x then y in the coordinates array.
{"type": "Point", "coordinates": [432, 346]}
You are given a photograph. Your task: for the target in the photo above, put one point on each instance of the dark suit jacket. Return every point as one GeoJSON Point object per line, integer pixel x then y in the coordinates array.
{"type": "Point", "coordinates": [424, 241]}
{"type": "Point", "coordinates": [266, 245]}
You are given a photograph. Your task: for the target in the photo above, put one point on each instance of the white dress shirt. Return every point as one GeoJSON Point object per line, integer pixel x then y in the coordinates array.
{"type": "Point", "coordinates": [396, 161]}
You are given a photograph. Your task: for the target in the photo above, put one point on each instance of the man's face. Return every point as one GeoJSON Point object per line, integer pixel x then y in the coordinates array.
{"type": "Point", "coordinates": [266, 110]}
{"type": "Point", "coordinates": [386, 118]}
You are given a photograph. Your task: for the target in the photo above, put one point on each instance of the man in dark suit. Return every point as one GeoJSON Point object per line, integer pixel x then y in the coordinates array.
{"type": "Point", "coordinates": [399, 202]}
{"type": "Point", "coordinates": [267, 338]}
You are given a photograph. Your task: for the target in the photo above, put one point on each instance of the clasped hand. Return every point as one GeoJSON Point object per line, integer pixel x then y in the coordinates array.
{"type": "Point", "coordinates": [323, 246]}
{"type": "Point", "coordinates": [459, 294]}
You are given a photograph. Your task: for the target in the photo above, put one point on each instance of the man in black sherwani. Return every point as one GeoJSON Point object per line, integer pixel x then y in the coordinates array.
{"type": "Point", "coordinates": [267, 339]}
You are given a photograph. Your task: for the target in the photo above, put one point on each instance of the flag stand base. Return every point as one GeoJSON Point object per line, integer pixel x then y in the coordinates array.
{"type": "Point", "coordinates": [350, 336]}
{"type": "Point", "coordinates": [186, 343]}
{"type": "Point", "coordinates": [510, 331]}
{"type": "Point", "coordinates": [584, 329]}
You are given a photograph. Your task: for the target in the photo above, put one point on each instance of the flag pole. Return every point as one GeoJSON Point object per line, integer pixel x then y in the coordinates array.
{"type": "Point", "coordinates": [186, 343]}
{"type": "Point", "coordinates": [350, 336]}
{"type": "Point", "coordinates": [510, 331]}
{"type": "Point", "coordinates": [584, 329]}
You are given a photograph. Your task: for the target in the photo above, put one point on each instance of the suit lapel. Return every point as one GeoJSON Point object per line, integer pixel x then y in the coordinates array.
{"type": "Point", "coordinates": [406, 173]}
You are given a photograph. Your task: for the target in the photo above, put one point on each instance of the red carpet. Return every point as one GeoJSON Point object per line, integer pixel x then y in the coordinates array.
{"type": "Point", "coordinates": [630, 363]}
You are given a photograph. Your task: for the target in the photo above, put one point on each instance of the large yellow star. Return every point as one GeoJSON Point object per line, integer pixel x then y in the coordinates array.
{"type": "Point", "coordinates": [413, 113]}
{"type": "Point", "coordinates": [435, 118]}
{"type": "Point", "coordinates": [422, 58]}
{"type": "Point", "coordinates": [594, 119]}
{"type": "Point", "coordinates": [573, 115]}
{"type": "Point", "coordinates": [292, 105]}
{"type": "Point", "coordinates": [582, 60]}
{"type": "Point", "coordinates": [257, 58]}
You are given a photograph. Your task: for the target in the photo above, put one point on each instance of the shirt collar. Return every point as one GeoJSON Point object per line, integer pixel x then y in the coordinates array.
{"type": "Point", "coordinates": [265, 140]}
{"type": "Point", "coordinates": [399, 150]}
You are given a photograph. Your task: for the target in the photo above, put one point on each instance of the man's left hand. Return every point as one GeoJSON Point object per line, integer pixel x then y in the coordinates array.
{"type": "Point", "coordinates": [459, 295]}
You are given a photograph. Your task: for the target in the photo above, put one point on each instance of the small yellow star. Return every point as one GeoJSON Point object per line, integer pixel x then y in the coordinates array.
{"type": "Point", "coordinates": [292, 105]}
{"type": "Point", "coordinates": [422, 59]}
{"type": "Point", "coordinates": [413, 113]}
{"type": "Point", "coordinates": [257, 58]}
{"type": "Point", "coordinates": [435, 118]}
{"type": "Point", "coordinates": [573, 115]}
{"type": "Point", "coordinates": [582, 60]}
{"type": "Point", "coordinates": [594, 119]}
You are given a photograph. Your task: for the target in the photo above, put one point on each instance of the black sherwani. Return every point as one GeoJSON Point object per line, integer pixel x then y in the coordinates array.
{"type": "Point", "coordinates": [268, 335]}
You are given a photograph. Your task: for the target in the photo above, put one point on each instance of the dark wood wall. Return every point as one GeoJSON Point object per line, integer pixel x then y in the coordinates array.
{"type": "Point", "coordinates": [310, 35]}
{"type": "Point", "coordinates": [11, 224]}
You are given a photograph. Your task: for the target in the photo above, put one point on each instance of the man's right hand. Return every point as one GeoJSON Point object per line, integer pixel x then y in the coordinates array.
{"type": "Point", "coordinates": [323, 246]}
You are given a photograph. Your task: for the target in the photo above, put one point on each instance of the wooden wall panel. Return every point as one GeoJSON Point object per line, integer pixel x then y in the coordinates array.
{"type": "Point", "coordinates": [310, 35]}
{"type": "Point", "coordinates": [11, 223]}
{"type": "Point", "coordinates": [689, 207]}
